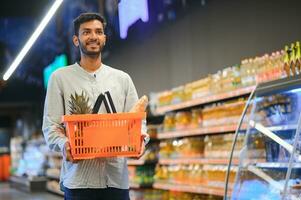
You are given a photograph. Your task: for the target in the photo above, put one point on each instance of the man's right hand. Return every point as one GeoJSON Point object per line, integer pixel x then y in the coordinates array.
{"type": "Point", "coordinates": [67, 153]}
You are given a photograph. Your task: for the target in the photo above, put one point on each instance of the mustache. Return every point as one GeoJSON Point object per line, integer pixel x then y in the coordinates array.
{"type": "Point", "coordinates": [93, 42]}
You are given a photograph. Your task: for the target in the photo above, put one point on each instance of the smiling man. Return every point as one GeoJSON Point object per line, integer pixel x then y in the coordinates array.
{"type": "Point", "coordinates": [101, 178]}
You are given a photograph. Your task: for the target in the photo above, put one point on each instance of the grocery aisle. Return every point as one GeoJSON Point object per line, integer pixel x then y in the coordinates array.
{"type": "Point", "coordinates": [8, 193]}
{"type": "Point", "coordinates": [199, 63]}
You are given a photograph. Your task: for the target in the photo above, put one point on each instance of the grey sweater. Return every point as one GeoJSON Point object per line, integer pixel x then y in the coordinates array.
{"type": "Point", "coordinates": [94, 173]}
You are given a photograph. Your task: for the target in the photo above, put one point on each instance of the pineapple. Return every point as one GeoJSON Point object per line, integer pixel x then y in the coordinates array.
{"type": "Point", "coordinates": [79, 104]}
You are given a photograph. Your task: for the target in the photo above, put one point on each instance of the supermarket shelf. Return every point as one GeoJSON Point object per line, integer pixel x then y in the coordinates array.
{"type": "Point", "coordinates": [197, 161]}
{"type": "Point", "coordinates": [4, 150]}
{"type": "Point", "coordinates": [217, 161]}
{"type": "Point", "coordinates": [26, 180]}
{"type": "Point", "coordinates": [229, 105]}
{"type": "Point", "coordinates": [200, 189]}
{"type": "Point", "coordinates": [53, 173]}
{"type": "Point", "coordinates": [206, 99]}
{"type": "Point", "coordinates": [55, 154]}
{"type": "Point", "coordinates": [277, 165]}
{"type": "Point", "coordinates": [53, 177]}
{"type": "Point", "coordinates": [200, 131]}
{"type": "Point", "coordinates": [139, 186]}
{"type": "Point", "coordinates": [136, 162]}
{"type": "Point", "coordinates": [52, 190]}
{"type": "Point", "coordinates": [140, 162]}
{"type": "Point", "coordinates": [29, 184]}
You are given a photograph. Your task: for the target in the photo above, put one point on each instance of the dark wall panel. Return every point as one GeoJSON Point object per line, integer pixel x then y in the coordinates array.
{"type": "Point", "coordinates": [207, 39]}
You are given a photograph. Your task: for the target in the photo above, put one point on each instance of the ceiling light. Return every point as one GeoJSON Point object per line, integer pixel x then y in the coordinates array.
{"type": "Point", "coordinates": [32, 39]}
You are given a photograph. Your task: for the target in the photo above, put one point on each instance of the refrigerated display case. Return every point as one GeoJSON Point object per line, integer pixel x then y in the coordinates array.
{"type": "Point", "coordinates": [269, 161]}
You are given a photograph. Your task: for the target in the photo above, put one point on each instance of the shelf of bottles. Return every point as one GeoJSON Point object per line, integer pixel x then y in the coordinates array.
{"type": "Point", "coordinates": [200, 119]}
{"type": "Point", "coordinates": [205, 99]}
{"type": "Point", "coordinates": [141, 171]}
{"type": "Point", "coordinates": [177, 161]}
{"type": "Point", "coordinates": [200, 189]}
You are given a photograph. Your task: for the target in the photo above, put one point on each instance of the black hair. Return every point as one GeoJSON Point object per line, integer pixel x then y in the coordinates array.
{"type": "Point", "coordinates": [86, 17]}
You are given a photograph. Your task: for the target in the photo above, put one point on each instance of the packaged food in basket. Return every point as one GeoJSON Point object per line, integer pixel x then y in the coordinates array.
{"type": "Point", "coordinates": [140, 106]}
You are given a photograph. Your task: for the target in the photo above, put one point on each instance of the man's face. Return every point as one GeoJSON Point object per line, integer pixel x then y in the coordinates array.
{"type": "Point", "coordinates": [91, 38]}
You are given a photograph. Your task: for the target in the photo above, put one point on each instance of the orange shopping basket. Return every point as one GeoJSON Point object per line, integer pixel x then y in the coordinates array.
{"type": "Point", "coordinates": [104, 135]}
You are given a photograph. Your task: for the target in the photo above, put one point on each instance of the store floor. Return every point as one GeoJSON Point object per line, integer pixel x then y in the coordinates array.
{"type": "Point", "coordinates": [8, 193]}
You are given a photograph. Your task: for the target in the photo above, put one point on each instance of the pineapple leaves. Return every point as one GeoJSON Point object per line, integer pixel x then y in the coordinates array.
{"type": "Point", "coordinates": [79, 104]}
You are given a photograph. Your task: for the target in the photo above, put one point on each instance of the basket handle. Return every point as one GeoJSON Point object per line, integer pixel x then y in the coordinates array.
{"type": "Point", "coordinates": [110, 101]}
{"type": "Point", "coordinates": [101, 98]}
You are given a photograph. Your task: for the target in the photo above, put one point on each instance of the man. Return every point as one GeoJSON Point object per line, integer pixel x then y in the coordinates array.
{"type": "Point", "coordinates": [101, 178]}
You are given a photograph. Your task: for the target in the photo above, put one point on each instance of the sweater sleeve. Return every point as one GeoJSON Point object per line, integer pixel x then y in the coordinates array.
{"type": "Point", "coordinates": [54, 109]}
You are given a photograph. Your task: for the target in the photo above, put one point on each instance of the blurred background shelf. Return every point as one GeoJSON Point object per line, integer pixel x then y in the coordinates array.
{"type": "Point", "coordinates": [205, 99]}
{"type": "Point", "coordinates": [28, 184]}
{"type": "Point", "coordinates": [200, 189]}
{"type": "Point", "coordinates": [199, 131]}
{"type": "Point", "coordinates": [195, 161]}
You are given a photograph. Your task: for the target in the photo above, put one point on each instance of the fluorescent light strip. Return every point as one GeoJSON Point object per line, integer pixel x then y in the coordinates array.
{"type": "Point", "coordinates": [273, 136]}
{"type": "Point", "coordinates": [32, 39]}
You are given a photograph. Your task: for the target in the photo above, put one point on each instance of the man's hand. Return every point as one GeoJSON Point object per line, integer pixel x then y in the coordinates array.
{"type": "Point", "coordinates": [142, 149]}
{"type": "Point", "coordinates": [67, 153]}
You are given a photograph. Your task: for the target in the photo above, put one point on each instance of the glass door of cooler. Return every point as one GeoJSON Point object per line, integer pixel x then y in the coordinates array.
{"type": "Point", "coordinates": [269, 164]}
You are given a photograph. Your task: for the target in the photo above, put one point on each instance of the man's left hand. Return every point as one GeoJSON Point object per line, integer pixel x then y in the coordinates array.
{"type": "Point", "coordinates": [142, 149]}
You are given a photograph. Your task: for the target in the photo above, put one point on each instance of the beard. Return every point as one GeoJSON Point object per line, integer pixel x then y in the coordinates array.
{"type": "Point", "coordinates": [84, 49]}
